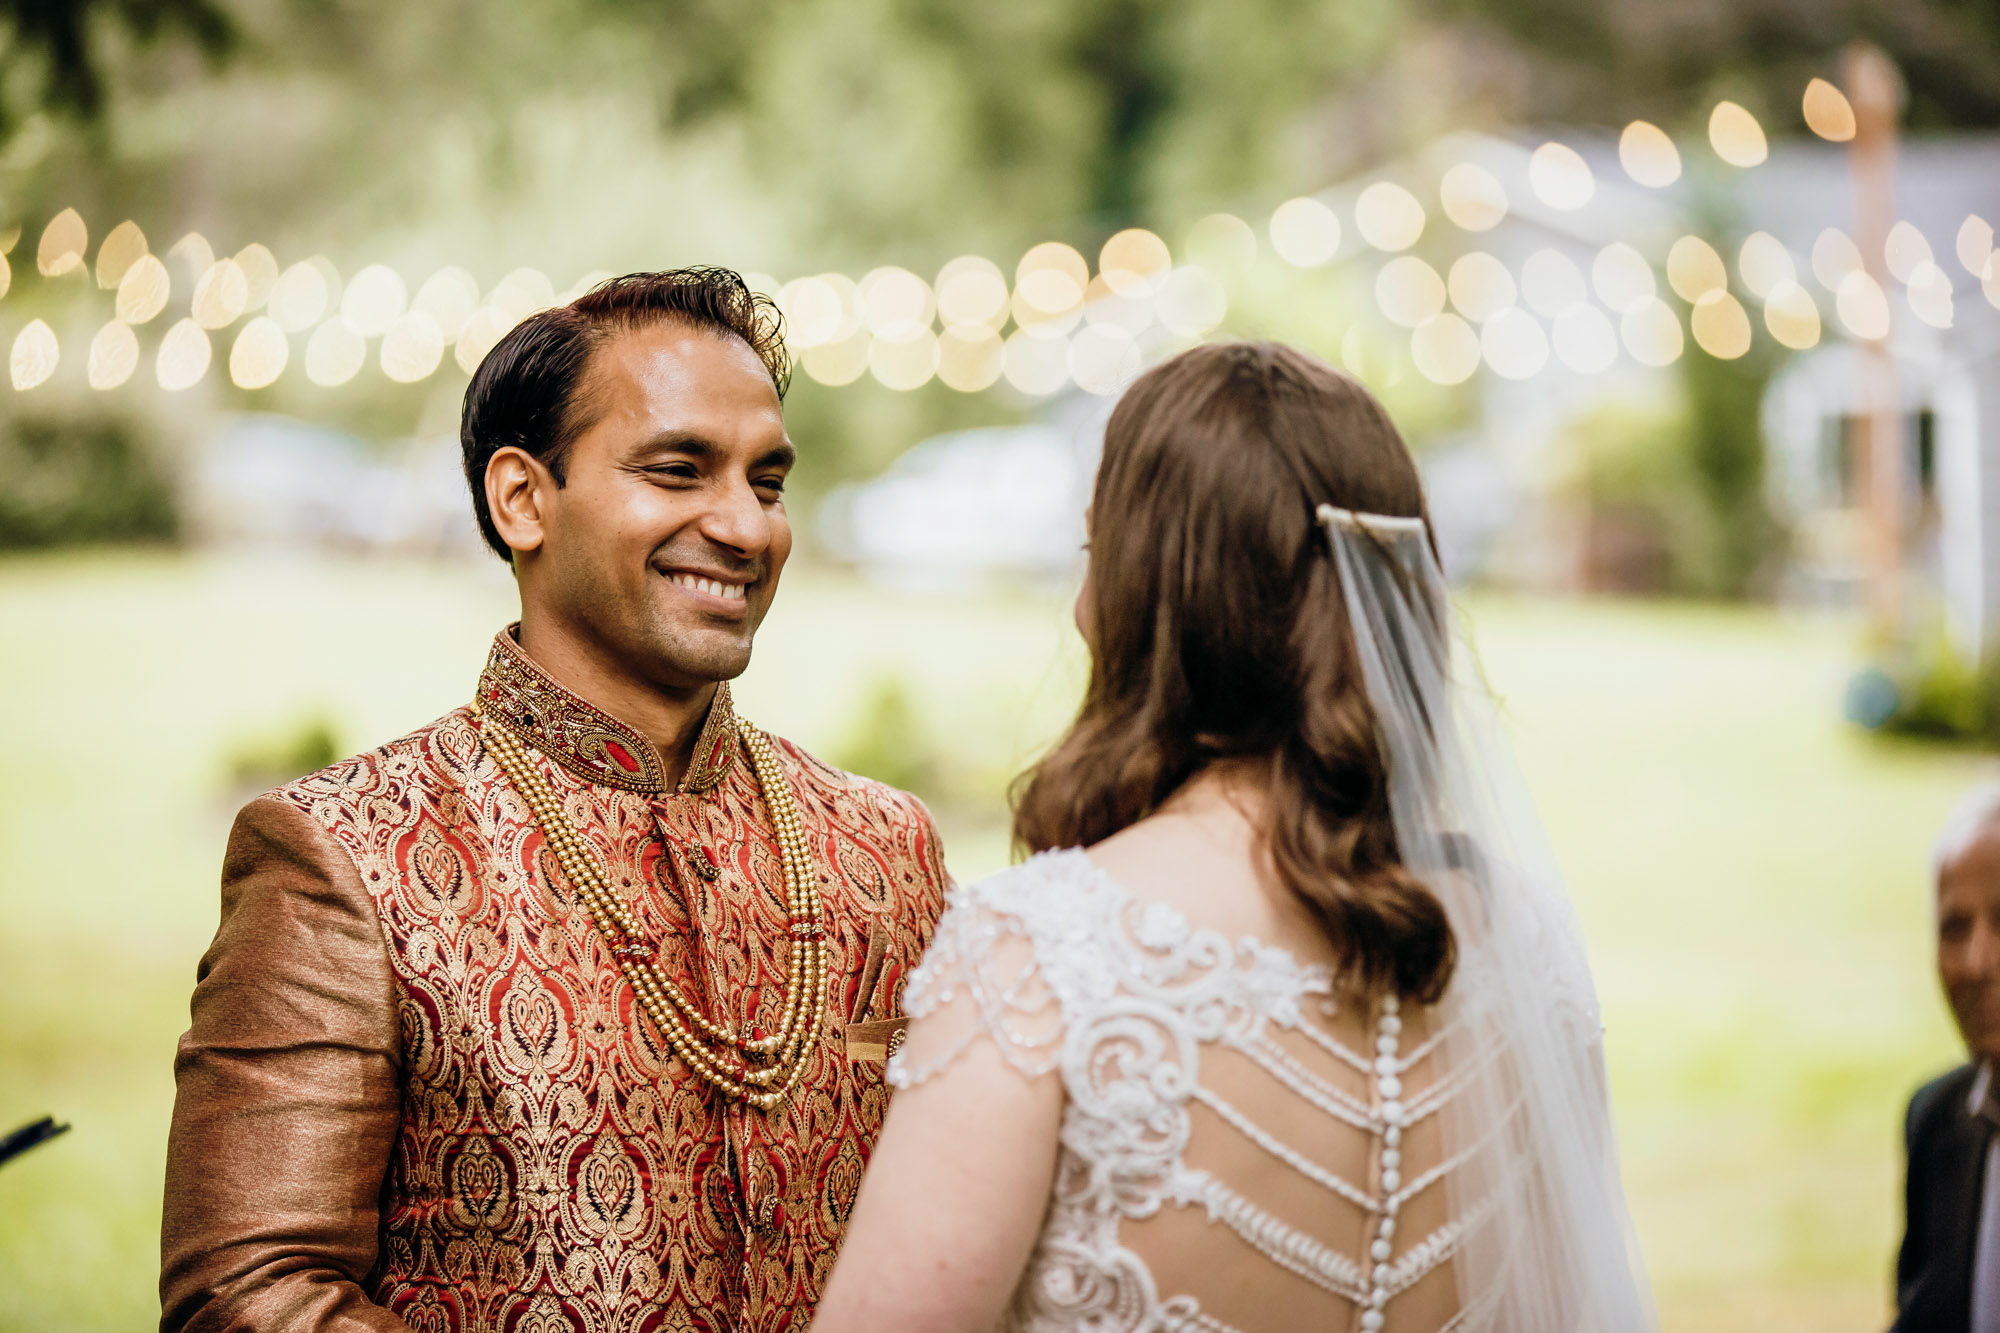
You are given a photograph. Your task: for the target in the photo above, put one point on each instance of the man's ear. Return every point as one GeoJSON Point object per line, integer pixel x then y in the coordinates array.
{"type": "Point", "coordinates": [517, 489]}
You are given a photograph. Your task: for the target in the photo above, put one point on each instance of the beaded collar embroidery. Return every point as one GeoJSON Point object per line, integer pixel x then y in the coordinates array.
{"type": "Point", "coordinates": [589, 742]}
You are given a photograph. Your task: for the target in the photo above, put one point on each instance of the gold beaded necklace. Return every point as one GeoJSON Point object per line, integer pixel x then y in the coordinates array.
{"type": "Point", "coordinates": [760, 1070]}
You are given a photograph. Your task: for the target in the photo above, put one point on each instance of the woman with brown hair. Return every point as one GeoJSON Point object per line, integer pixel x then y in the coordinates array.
{"type": "Point", "coordinates": [1285, 1024]}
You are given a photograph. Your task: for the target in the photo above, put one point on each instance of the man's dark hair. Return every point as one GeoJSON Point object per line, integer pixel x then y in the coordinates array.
{"type": "Point", "coordinates": [525, 392]}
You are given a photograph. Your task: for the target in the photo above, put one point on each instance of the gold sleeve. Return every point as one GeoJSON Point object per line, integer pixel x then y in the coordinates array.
{"type": "Point", "coordinates": [287, 1096]}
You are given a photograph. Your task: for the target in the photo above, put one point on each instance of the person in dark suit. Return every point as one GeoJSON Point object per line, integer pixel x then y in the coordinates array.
{"type": "Point", "coordinates": [1948, 1270]}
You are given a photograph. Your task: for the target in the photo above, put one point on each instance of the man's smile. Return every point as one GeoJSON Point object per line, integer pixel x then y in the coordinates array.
{"type": "Point", "coordinates": [715, 593]}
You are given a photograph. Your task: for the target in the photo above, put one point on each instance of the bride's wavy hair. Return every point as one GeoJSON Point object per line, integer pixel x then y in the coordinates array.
{"type": "Point", "coordinates": [1218, 631]}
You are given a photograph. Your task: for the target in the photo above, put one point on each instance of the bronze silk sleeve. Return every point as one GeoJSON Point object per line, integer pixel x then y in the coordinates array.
{"type": "Point", "coordinates": [288, 1096]}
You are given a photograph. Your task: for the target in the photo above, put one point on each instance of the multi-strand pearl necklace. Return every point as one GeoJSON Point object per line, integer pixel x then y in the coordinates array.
{"type": "Point", "coordinates": [760, 1070]}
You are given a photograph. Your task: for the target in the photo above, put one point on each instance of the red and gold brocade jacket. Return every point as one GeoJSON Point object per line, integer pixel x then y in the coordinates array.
{"type": "Point", "coordinates": [417, 1092]}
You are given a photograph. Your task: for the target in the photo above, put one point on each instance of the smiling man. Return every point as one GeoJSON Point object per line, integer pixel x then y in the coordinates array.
{"type": "Point", "coordinates": [569, 1010]}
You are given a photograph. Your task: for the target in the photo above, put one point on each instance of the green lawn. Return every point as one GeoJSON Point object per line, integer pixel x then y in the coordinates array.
{"type": "Point", "coordinates": [1750, 874]}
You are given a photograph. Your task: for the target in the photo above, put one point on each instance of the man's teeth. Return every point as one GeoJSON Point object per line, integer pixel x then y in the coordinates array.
{"type": "Point", "coordinates": [729, 591]}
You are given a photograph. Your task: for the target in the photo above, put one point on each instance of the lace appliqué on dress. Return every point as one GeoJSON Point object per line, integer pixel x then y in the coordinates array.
{"type": "Point", "coordinates": [1067, 972]}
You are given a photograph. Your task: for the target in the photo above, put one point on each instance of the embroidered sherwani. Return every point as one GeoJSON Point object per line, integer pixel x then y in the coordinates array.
{"type": "Point", "coordinates": [417, 1092]}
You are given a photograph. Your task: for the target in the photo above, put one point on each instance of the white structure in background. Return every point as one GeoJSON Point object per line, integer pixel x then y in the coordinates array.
{"type": "Point", "coordinates": [1948, 380]}
{"type": "Point", "coordinates": [962, 508]}
{"type": "Point", "coordinates": [269, 480]}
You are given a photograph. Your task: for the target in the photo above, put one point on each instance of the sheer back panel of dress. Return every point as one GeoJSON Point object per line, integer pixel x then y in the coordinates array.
{"type": "Point", "coordinates": [1239, 1151]}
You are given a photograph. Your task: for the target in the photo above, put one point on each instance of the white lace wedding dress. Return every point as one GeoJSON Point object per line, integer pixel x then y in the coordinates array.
{"type": "Point", "coordinates": [1237, 1151]}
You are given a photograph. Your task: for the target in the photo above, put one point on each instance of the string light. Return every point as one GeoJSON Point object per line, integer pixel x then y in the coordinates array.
{"type": "Point", "coordinates": [123, 247]}
{"type": "Point", "coordinates": [1694, 268]}
{"type": "Point", "coordinates": [1622, 278]}
{"type": "Point", "coordinates": [114, 355]}
{"type": "Point", "coordinates": [1648, 155]}
{"type": "Point", "coordinates": [1305, 233]}
{"type": "Point", "coordinates": [1736, 136]}
{"type": "Point", "coordinates": [63, 244]}
{"type": "Point", "coordinates": [1720, 325]}
{"type": "Point", "coordinates": [260, 354]}
{"type": "Point", "coordinates": [1792, 316]}
{"type": "Point", "coordinates": [1551, 282]}
{"type": "Point", "coordinates": [1764, 262]}
{"type": "Point", "coordinates": [183, 357]}
{"type": "Point", "coordinates": [1408, 291]}
{"type": "Point", "coordinates": [1905, 251]}
{"type": "Point", "coordinates": [34, 356]}
{"type": "Point", "coordinates": [1974, 244]}
{"type": "Point", "coordinates": [1445, 349]}
{"type": "Point", "coordinates": [1584, 339]}
{"type": "Point", "coordinates": [1828, 113]}
{"type": "Point", "coordinates": [1929, 295]}
{"type": "Point", "coordinates": [1834, 256]}
{"type": "Point", "coordinates": [1560, 177]}
{"type": "Point", "coordinates": [1473, 197]}
{"type": "Point", "coordinates": [1651, 334]}
{"type": "Point", "coordinates": [1388, 216]}
{"type": "Point", "coordinates": [1863, 309]}
{"type": "Point", "coordinates": [1514, 344]}
{"type": "Point", "coordinates": [143, 292]}
{"type": "Point", "coordinates": [1480, 286]}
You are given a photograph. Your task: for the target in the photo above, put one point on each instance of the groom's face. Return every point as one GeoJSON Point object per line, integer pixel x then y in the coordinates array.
{"type": "Point", "coordinates": [666, 540]}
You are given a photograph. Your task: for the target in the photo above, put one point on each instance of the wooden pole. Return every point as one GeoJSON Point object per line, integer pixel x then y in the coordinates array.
{"type": "Point", "coordinates": [1875, 89]}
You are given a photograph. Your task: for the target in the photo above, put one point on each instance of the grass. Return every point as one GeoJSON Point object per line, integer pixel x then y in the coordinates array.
{"type": "Point", "coordinates": [1751, 876]}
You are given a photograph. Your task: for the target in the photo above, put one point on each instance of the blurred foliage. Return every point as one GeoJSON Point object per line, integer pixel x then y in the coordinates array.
{"type": "Point", "coordinates": [258, 763]}
{"type": "Point", "coordinates": [1607, 61]}
{"type": "Point", "coordinates": [77, 481]}
{"type": "Point", "coordinates": [58, 54]}
{"type": "Point", "coordinates": [889, 741]}
{"type": "Point", "coordinates": [1722, 434]}
{"type": "Point", "coordinates": [1932, 691]}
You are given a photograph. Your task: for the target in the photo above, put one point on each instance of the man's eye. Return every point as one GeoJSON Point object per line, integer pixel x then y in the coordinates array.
{"type": "Point", "coordinates": [775, 485]}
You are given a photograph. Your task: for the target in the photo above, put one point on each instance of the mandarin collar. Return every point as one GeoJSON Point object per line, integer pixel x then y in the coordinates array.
{"type": "Point", "coordinates": [585, 739]}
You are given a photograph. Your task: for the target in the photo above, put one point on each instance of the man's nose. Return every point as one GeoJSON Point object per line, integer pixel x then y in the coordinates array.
{"type": "Point", "coordinates": [735, 518]}
{"type": "Point", "coordinates": [1982, 950]}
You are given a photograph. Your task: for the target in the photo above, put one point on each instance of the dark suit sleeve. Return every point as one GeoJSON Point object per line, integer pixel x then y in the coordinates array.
{"type": "Point", "coordinates": [1910, 1256]}
{"type": "Point", "coordinates": [288, 1096]}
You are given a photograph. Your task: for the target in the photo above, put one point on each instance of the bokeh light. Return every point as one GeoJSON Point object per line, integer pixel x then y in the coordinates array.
{"type": "Point", "coordinates": [299, 298]}
{"type": "Point", "coordinates": [143, 292]}
{"type": "Point", "coordinates": [1693, 267]}
{"type": "Point", "coordinates": [1584, 339]}
{"type": "Point", "coordinates": [520, 294]}
{"type": "Point", "coordinates": [412, 347]}
{"type": "Point", "coordinates": [1764, 262]}
{"type": "Point", "coordinates": [1834, 256]}
{"type": "Point", "coordinates": [1736, 136]}
{"type": "Point", "coordinates": [482, 330]}
{"type": "Point", "coordinates": [904, 364]}
{"type": "Point", "coordinates": [1929, 295]}
{"type": "Point", "coordinates": [114, 355]}
{"type": "Point", "coordinates": [1480, 286]}
{"type": "Point", "coordinates": [1473, 197]}
{"type": "Point", "coordinates": [970, 357]}
{"type": "Point", "coordinates": [1720, 325]}
{"type": "Point", "coordinates": [1792, 316]}
{"type": "Point", "coordinates": [1827, 112]}
{"type": "Point", "coordinates": [896, 305]}
{"type": "Point", "coordinates": [1223, 243]}
{"type": "Point", "coordinates": [842, 361]}
{"type": "Point", "coordinates": [193, 254]}
{"type": "Point", "coordinates": [334, 353]}
{"type": "Point", "coordinates": [1514, 344]}
{"type": "Point", "coordinates": [1103, 359]}
{"type": "Point", "coordinates": [183, 357]}
{"type": "Point", "coordinates": [260, 274]}
{"type": "Point", "coordinates": [124, 246]}
{"type": "Point", "coordinates": [35, 355]}
{"type": "Point", "coordinates": [1622, 278]}
{"type": "Point", "coordinates": [1651, 334]}
{"type": "Point", "coordinates": [972, 293]}
{"type": "Point", "coordinates": [1408, 291]}
{"type": "Point", "coordinates": [1049, 283]}
{"type": "Point", "coordinates": [1974, 244]}
{"type": "Point", "coordinates": [260, 354]}
{"type": "Point", "coordinates": [220, 295]}
{"type": "Point", "coordinates": [814, 313]}
{"type": "Point", "coordinates": [1862, 307]}
{"type": "Point", "coordinates": [64, 242]}
{"type": "Point", "coordinates": [1906, 250]}
{"type": "Point", "coordinates": [1551, 282]}
{"type": "Point", "coordinates": [1036, 361]}
{"type": "Point", "coordinates": [448, 296]}
{"type": "Point", "coordinates": [375, 299]}
{"type": "Point", "coordinates": [1648, 155]}
{"type": "Point", "coordinates": [1134, 263]}
{"type": "Point", "coordinates": [1388, 216]}
{"type": "Point", "coordinates": [1445, 349]}
{"type": "Point", "coordinates": [1193, 303]}
{"type": "Point", "coordinates": [1101, 305]}
{"type": "Point", "coordinates": [1560, 177]}
{"type": "Point", "coordinates": [1305, 233]}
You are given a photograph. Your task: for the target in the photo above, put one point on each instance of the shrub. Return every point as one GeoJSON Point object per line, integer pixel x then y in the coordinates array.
{"type": "Point", "coordinates": [71, 482]}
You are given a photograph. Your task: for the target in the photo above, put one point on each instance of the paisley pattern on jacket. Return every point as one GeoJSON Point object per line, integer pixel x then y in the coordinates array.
{"type": "Point", "coordinates": [556, 1168]}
